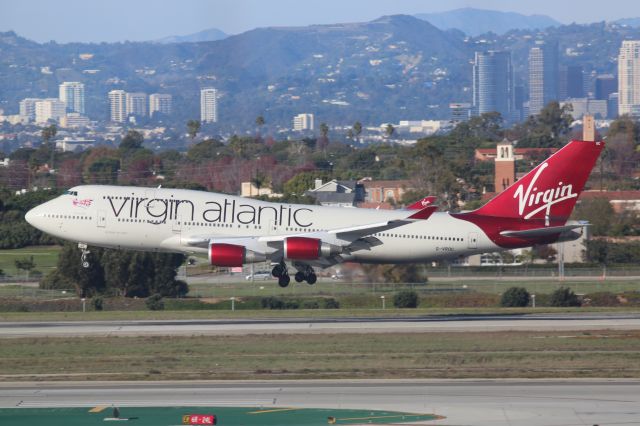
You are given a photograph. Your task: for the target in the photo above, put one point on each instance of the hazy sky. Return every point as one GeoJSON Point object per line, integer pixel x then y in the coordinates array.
{"type": "Point", "coordinates": [117, 20]}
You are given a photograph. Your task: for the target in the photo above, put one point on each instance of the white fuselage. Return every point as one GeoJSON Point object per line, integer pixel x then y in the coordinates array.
{"type": "Point", "coordinates": [159, 219]}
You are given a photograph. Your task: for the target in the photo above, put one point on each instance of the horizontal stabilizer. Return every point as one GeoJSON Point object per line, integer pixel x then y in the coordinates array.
{"type": "Point", "coordinates": [541, 232]}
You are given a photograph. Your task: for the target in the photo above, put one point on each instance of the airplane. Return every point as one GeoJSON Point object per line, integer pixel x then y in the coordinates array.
{"type": "Point", "coordinates": [233, 231]}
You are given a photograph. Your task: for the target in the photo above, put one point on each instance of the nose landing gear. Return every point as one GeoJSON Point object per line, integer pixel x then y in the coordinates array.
{"type": "Point", "coordinates": [83, 256]}
{"type": "Point", "coordinates": [280, 271]}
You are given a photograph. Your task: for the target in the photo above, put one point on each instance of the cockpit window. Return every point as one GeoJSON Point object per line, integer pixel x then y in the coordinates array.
{"type": "Point", "coordinates": [69, 192]}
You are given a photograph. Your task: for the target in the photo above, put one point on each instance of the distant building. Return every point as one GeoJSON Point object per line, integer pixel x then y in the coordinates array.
{"type": "Point", "coordinates": [248, 189]}
{"type": "Point", "coordinates": [612, 105]}
{"type": "Point", "coordinates": [338, 193]}
{"type": "Point", "coordinates": [629, 78]}
{"type": "Point", "coordinates": [459, 111]}
{"type": "Point", "coordinates": [605, 85]}
{"type": "Point", "coordinates": [584, 106]}
{"type": "Point", "coordinates": [493, 83]}
{"type": "Point", "coordinates": [49, 109]}
{"type": "Point", "coordinates": [303, 122]}
{"type": "Point", "coordinates": [74, 119]}
{"type": "Point", "coordinates": [136, 104]}
{"type": "Point", "coordinates": [118, 105]}
{"type": "Point", "coordinates": [28, 108]}
{"type": "Point", "coordinates": [72, 94]}
{"type": "Point", "coordinates": [161, 103]}
{"type": "Point", "coordinates": [531, 154]}
{"type": "Point", "coordinates": [385, 191]}
{"type": "Point", "coordinates": [543, 75]}
{"type": "Point", "coordinates": [209, 105]}
{"type": "Point", "coordinates": [425, 127]}
{"type": "Point", "coordinates": [571, 82]}
{"type": "Point", "coordinates": [74, 145]}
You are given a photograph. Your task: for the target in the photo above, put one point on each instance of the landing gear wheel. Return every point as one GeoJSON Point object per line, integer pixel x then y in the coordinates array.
{"type": "Point", "coordinates": [284, 280]}
{"type": "Point", "coordinates": [85, 264]}
{"type": "Point", "coordinates": [299, 277]}
{"type": "Point", "coordinates": [311, 279]}
{"type": "Point", "coordinates": [278, 270]}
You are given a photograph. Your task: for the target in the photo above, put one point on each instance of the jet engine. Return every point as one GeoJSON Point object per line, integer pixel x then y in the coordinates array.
{"type": "Point", "coordinates": [304, 248]}
{"type": "Point", "coordinates": [222, 254]}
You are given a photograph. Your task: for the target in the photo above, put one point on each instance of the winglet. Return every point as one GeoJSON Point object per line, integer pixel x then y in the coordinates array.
{"type": "Point", "coordinates": [420, 204]}
{"type": "Point", "coordinates": [424, 213]}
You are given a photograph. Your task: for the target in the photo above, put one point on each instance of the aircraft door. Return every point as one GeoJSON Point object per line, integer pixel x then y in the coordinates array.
{"type": "Point", "coordinates": [102, 219]}
{"type": "Point", "coordinates": [472, 240]}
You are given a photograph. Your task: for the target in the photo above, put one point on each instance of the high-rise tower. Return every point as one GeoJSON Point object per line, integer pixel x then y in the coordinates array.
{"type": "Point", "coordinates": [543, 75]}
{"type": "Point", "coordinates": [493, 83]}
{"type": "Point", "coordinates": [209, 105]}
{"type": "Point", "coordinates": [629, 78]}
{"type": "Point", "coordinates": [72, 94]}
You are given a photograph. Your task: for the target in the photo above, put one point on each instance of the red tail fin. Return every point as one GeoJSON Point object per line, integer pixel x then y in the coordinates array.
{"type": "Point", "coordinates": [550, 191]}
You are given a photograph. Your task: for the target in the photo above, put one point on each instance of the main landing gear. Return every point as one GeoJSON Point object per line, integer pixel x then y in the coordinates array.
{"type": "Point", "coordinates": [305, 273]}
{"type": "Point", "coordinates": [280, 271]}
{"type": "Point", "coordinates": [83, 256]}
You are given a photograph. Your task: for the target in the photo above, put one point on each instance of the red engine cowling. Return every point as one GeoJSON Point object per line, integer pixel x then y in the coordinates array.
{"type": "Point", "coordinates": [226, 254]}
{"type": "Point", "coordinates": [302, 248]}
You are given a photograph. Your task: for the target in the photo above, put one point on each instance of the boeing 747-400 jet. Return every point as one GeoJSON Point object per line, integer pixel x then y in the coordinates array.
{"type": "Point", "coordinates": [233, 231]}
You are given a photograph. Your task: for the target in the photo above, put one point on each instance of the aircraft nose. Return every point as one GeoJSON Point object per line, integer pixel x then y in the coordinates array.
{"type": "Point", "coordinates": [32, 215]}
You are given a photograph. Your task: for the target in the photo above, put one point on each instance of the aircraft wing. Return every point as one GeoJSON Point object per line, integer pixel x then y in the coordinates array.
{"type": "Point", "coordinates": [348, 239]}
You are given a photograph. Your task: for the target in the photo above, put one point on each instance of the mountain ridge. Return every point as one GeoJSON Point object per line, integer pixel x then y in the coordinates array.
{"type": "Point", "coordinates": [475, 22]}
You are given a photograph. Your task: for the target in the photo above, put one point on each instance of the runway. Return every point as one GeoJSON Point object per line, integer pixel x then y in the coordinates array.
{"type": "Point", "coordinates": [417, 324]}
{"type": "Point", "coordinates": [499, 402]}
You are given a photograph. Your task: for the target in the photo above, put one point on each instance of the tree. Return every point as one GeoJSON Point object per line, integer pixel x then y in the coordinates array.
{"type": "Point", "coordinates": [258, 181]}
{"type": "Point", "coordinates": [598, 212]}
{"type": "Point", "coordinates": [357, 129]}
{"type": "Point", "coordinates": [389, 130]}
{"type": "Point", "coordinates": [515, 297]}
{"type": "Point", "coordinates": [193, 127]}
{"type": "Point", "coordinates": [49, 133]}
{"type": "Point", "coordinates": [324, 129]}
{"type": "Point", "coordinates": [155, 303]}
{"type": "Point", "coordinates": [132, 141]}
{"type": "Point", "coordinates": [564, 297]}
{"type": "Point", "coordinates": [405, 299]}
{"type": "Point", "coordinates": [260, 121]}
{"type": "Point", "coordinates": [25, 264]}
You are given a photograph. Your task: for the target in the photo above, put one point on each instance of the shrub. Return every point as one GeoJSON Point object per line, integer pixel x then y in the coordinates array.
{"type": "Point", "coordinates": [155, 303]}
{"type": "Point", "coordinates": [563, 297]}
{"type": "Point", "coordinates": [97, 303]}
{"type": "Point", "coordinates": [272, 303]}
{"type": "Point", "coordinates": [405, 299]}
{"type": "Point", "coordinates": [331, 303]}
{"type": "Point", "coordinates": [603, 298]}
{"type": "Point", "coordinates": [515, 297]}
{"type": "Point", "coordinates": [310, 304]}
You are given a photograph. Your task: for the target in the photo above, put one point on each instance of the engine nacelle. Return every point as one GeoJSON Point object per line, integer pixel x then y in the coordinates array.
{"type": "Point", "coordinates": [304, 248]}
{"type": "Point", "coordinates": [222, 254]}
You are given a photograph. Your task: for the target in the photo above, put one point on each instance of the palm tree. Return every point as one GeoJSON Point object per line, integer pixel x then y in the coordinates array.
{"type": "Point", "coordinates": [48, 133]}
{"type": "Point", "coordinates": [258, 181]}
{"type": "Point", "coordinates": [357, 129]}
{"type": "Point", "coordinates": [389, 130]}
{"type": "Point", "coordinates": [193, 127]}
{"type": "Point", "coordinates": [259, 122]}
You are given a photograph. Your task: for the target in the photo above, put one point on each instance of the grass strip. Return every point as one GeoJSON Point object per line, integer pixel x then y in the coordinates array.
{"type": "Point", "coordinates": [614, 354]}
